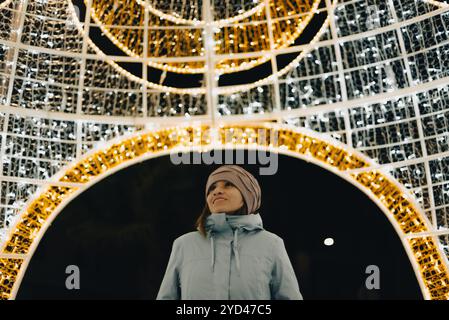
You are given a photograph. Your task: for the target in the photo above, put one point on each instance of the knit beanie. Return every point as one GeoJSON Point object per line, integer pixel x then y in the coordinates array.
{"type": "Point", "coordinates": [242, 180]}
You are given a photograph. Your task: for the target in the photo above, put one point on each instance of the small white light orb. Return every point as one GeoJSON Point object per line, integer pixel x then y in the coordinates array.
{"type": "Point", "coordinates": [328, 241]}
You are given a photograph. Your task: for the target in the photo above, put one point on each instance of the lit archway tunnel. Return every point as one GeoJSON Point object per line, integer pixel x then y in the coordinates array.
{"type": "Point", "coordinates": [355, 230]}
{"type": "Point", "coordinates": [120, 231]}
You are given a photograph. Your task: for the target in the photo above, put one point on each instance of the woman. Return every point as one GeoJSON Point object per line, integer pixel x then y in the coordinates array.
{"type": "Point", "coordinates": [231, 256]}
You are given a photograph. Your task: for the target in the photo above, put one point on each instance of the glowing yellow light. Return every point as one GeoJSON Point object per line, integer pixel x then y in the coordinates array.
{"type": "Point", "coordinates": [130, 39]}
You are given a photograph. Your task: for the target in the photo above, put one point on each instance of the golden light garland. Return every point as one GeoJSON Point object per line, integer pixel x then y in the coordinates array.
{"type": "Point", "coordinates": [433, 270]}
{"type": "Point", "coordinates": [289, 141]}
{"type": "Point", "coordinates": [31, 222]}
{"type": "Point", "coordinates": [9, 269]}
{"type": "Point", "coordinates": [123, 25]}
{"type": "Point", "coordinates": [393, 198]}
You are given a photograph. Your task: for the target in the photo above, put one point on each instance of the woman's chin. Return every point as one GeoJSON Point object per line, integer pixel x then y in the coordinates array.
{"type": "Point", "coordinates": [222, 210]}
{"type": "Point", "coordinates": [219, 210]}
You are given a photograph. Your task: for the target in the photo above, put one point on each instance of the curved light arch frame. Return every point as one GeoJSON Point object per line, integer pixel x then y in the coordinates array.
{"type": "Point", "coordinates": [300, 26]}
{"type": "Point", "coordinates": [169, 17]}
{"type": "Point", "coordinates": [269, 80]}
{"type": "Point", "coordinates": [392, 198]}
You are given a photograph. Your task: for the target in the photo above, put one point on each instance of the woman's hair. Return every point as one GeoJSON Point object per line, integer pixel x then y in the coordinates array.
{"type": "Point", "coordinates": [201, 220]}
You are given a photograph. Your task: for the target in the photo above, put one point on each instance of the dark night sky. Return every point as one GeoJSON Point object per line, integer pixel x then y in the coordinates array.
{"type": "Point", "coordinates": [120, 231]}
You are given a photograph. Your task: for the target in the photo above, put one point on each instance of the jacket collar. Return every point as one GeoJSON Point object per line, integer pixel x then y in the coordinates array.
{"type": "Point", "coordinates": [218, 223]}
{"type": "Point", "coordinates": [228, 224]}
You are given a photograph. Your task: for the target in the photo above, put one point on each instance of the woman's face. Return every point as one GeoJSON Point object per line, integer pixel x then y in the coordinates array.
{"type": "Point", "coordinates": [223, 196]}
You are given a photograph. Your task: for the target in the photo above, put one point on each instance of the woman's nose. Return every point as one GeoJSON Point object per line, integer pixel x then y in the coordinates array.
{"type": "Point", "coordinates": [217, 190]}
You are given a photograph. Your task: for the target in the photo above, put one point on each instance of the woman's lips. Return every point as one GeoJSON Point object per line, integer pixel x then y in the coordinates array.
{"type": "Point", "coordinates": [219, 199]}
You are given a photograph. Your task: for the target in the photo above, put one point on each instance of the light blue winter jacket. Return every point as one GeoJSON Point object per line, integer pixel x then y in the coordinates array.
{"type": "Point", "coordinates": [238, 260]}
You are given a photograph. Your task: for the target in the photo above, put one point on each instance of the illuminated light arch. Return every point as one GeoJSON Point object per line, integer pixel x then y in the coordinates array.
{"type": "Point", "coordinates": [285, 32]}
{"type": "Point", "coordinates": [197, 21]}
{"type": "Point", "coordinates": [195, 91]}
{"type": "Point", "coordinates": [398, 205]}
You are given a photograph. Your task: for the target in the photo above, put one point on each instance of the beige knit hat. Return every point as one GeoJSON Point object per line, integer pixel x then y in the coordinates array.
{"type": "Point", "coordinates": [243, 180]}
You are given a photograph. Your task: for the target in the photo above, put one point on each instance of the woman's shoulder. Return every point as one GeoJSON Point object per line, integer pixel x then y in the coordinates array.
{"type": "Point", "coordinates": [189, 237]}
{"type": "Point", "coordinates": [269, 237]}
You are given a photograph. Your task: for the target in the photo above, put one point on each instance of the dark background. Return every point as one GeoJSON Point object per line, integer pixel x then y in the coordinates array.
{"type": "Point", "coordinates": [120, 231]}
